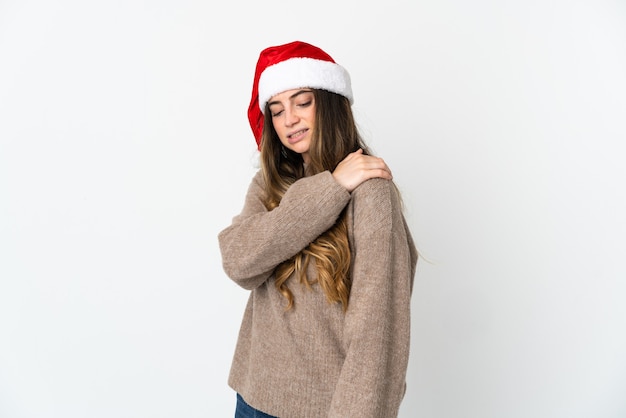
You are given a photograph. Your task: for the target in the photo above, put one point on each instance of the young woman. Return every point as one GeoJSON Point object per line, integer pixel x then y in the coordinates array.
{"type": "Point", "coordinates": [323, 247]}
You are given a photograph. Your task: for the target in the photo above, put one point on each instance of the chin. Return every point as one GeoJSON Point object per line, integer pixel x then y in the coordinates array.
{"type": "Point", "coordinates": [300, 149]}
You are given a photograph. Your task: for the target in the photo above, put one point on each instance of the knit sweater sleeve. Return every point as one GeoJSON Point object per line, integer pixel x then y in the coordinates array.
{"type": "Point", "coordinates": [377, 323]}
{"type": "Point", "coordinates": [258, 240]}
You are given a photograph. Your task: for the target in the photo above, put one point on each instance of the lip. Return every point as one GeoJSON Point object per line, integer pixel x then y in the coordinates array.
{"type": "Point", "coordinates": [296, 136]}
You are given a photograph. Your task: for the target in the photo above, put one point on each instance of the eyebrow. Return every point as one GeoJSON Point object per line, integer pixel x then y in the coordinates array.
{"type": "Point", "coordinates": [293, 96]}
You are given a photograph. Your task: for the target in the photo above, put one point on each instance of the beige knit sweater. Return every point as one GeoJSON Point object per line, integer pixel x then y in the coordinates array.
{"type": "Point", "coordinates": [315, 360]}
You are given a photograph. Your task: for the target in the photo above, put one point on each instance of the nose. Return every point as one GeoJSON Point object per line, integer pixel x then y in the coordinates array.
{"type": "Point", "coordinates": [291, 117]}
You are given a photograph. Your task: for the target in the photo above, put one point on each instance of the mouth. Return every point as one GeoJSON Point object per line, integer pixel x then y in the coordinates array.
{"type": "Point", "coordinates": [296, 136]}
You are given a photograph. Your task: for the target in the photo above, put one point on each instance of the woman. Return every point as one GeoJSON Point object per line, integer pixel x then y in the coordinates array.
{"type": "Point", "coordinates": [323, 247]}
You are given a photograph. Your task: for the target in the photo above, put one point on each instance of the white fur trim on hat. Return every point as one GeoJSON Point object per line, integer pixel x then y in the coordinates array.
{"type": "Point", "coordinates": [303, 73]}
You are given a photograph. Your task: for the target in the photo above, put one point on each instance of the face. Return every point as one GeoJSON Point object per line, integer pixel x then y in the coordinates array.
{"type": "Point", "coordinates": [293, 117]}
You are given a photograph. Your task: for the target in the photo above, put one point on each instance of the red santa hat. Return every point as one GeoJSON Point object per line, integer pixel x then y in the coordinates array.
{"type": "Point", "coordinates": [291, 66]}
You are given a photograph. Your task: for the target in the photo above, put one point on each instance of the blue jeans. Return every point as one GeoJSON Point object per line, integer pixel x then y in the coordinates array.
{"type": "Point", "coordinates": [246, 411]}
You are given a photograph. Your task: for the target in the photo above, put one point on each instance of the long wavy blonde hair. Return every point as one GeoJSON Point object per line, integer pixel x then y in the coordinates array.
{"type": "Point", "coordinates": [335, 136]}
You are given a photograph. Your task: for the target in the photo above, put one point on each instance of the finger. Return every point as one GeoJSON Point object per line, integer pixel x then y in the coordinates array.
{"type": "Point", "coordinates": [356, 154]}
{"type": "Point", "coordinates": [375, 162]}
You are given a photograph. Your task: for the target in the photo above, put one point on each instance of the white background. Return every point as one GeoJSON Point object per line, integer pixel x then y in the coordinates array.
{"type": "Point", "coordinates": [125, 149]}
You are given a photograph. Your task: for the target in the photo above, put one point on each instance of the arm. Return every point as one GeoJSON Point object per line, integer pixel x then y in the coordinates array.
{"type": "Point", "coordinates": [258, 240]}
{"type": "Point", "coordinates": [377, 324]}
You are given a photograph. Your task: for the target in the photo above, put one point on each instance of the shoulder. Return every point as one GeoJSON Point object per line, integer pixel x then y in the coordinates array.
{"type": "Point", "coordinates": [257, 181]}
{"type": "Point", "coordinates": [258, 177]}
{"type": "Point", "coordinates": [376, 191]}
{"type": "Point", "coordinates": [376, 202]}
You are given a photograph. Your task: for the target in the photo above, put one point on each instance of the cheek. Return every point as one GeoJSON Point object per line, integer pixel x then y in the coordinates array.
{"type": "Point", "coordinates": [276, 127]}
{"type": "Point", "coordinates": [311, 118]}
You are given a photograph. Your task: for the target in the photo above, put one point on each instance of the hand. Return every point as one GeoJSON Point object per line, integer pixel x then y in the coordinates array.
{"type": "Point", "coordinates": [357, 167]}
